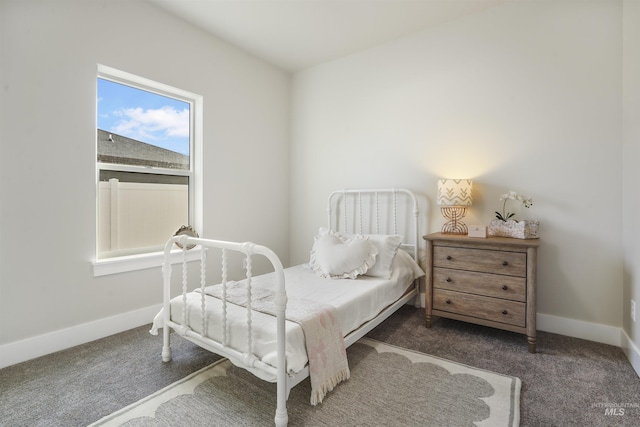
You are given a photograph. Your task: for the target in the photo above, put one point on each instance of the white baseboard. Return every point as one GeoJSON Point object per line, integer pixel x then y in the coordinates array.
{"type": "Point", "coordinates": [631, 351]}
{"type": "Point", "coordinates": [579, 329]}
{"type": "Point", "coordinates": [30, 348]}
{"type": "Point", "coordinates": [592, 332]}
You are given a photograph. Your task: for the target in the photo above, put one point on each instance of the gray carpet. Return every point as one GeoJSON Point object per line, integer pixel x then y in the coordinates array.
{"type": "Point", "coordinates": [564, 384]}
{"type": "Point", "coordinates": [78, 386]}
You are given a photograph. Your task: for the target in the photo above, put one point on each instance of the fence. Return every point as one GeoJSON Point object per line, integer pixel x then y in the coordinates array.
{"type": "Point", "coordinates": [138, 217]}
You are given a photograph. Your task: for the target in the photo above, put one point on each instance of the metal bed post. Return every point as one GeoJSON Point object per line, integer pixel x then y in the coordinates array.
{"type": "Point", "coordinates": [166, 289]}
{"type": "Point", "coordinates": [203, 283]}
{"type": "Point", "coordinates": [281, 418]}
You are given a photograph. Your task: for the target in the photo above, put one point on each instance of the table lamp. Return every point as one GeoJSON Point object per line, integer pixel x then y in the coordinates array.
{"type": "Point", "coordinates": [454, 195]}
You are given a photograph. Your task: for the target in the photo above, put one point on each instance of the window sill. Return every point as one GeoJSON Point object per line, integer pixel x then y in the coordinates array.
{"type": "Point", "coordinates": [107, 266]}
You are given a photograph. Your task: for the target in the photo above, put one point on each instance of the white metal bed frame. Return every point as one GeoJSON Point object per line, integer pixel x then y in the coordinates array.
{"type": "Point", "coordinates": [338, 202]}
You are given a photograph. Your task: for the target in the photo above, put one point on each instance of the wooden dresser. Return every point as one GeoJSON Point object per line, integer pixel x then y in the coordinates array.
{"type": "Point", "coordinates": [489, 281]}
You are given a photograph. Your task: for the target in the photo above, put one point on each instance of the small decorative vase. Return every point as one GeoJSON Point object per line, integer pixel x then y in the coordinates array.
{"type": "Point", "coordinates": [515, 229]}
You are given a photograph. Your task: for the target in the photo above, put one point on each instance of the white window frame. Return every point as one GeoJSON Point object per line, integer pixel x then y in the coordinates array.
{"type": "Point", "coordinates": [120, 264]}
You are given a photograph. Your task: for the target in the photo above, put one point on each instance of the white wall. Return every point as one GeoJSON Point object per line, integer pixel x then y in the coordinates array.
{"type": "Point", "coordinates": [631, 195]}
{"type": "Point", "coordinates": [47, 175]}
{"type": "Point", "coordinates": [524, 96]}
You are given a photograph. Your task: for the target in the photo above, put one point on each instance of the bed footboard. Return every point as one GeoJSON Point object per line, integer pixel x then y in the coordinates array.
{"type": "Point", "coordinates": [223, 346]}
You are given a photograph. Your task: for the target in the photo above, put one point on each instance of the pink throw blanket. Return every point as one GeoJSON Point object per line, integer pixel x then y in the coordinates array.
{"type": "Point", "coordinates": [328, 365]}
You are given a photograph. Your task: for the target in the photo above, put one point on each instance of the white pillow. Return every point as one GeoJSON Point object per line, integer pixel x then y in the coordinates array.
{"type": "Point", "coordinates": [336, 256]}
{"type": "Point", "coordinates": [387, 248]}
{"type": "Point", "coordinates": [404, 265]}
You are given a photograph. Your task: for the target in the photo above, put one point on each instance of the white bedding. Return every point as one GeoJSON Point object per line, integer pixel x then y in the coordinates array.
{"type": "Point", "coordinates": [356, 301]}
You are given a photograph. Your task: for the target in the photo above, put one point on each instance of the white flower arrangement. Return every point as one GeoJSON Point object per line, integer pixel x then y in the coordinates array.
{"type": "Point", "coordinates": [527, 202]}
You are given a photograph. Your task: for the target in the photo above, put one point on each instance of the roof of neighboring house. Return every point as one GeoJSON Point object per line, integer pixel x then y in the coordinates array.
{"type": "Point", "coordinates": [114, 148]}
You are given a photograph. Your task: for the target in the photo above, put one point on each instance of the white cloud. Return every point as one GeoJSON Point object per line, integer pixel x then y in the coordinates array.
{"type": "Point", "coordinates": [153, 125]}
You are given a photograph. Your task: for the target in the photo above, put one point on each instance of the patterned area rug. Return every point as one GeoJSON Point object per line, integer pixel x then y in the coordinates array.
{"type": "Point", "coordinates": [388, 386]}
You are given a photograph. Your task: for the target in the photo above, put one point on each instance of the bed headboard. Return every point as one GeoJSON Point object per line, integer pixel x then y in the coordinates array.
{"type": "Point", "coordinates": [376, 211]}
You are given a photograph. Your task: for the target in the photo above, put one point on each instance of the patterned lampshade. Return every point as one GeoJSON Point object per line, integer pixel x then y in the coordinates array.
{"type": "Point", "coordinates": [454, 192]}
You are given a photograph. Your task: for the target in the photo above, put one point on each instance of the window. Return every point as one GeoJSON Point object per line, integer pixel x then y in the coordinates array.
{"type": "Point", "coordinates": [147, 165]}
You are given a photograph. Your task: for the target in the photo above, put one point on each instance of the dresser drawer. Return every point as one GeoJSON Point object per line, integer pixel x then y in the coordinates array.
{"type": "Point", "coordinates": [494, 309]}
{"type": "Point", "coordinates": [485, 261]}
{"type": "Point", "coordinates": [491, 285]}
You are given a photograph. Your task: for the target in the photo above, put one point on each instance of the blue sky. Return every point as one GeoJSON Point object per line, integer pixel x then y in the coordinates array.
{"type": "Point", "coordinates": [144, 116]}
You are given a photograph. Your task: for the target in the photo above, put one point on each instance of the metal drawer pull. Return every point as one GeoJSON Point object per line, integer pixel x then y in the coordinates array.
{"type": "Point", "coordinates": [504, 311]}
{"type": "Point", "coordinates": [448, 257]}
{"type": "Point", "coordinates": [448, 301]}
{"type": "Point", "coordinates": [505, 263]}
{"type": "Point", "coordinates": [449, 279]}
{"type": "Point", "coordinates": [504, 287]}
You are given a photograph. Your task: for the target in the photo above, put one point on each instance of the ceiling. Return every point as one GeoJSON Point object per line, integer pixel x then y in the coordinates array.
{"type": "Point", "coordinates": [296, 34]}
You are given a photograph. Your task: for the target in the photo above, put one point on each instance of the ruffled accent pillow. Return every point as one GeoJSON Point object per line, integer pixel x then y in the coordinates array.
{"type": "Point", "coordinates": [339, 257]}
{"type": "Point", "coordinates": [388, 245]}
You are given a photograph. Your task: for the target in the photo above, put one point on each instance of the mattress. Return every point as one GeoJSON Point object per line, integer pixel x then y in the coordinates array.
{"type": "Point", "coordinates": [356, 302]}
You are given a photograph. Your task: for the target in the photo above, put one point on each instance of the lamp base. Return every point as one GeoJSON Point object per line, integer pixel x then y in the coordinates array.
{"type": "Point", "coordinates": [454, 214]}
